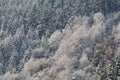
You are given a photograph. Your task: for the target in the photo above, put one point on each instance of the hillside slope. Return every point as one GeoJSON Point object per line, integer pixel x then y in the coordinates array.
{"type": "Point", "coordinates": [59, 40]}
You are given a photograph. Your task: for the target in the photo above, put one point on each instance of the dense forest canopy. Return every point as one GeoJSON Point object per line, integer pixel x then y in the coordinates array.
{"type": "Point", "coordinates": [59, 39]}
{"type": "Point", "coordinates": [50, 13]}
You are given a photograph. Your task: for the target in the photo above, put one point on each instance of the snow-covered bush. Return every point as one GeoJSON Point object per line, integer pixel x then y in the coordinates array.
{"type": "Point", "coordinates": [55, 39]}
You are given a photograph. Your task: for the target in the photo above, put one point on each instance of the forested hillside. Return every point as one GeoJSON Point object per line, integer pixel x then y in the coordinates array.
{"type": "Point", "coordinates": [59, 40]}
